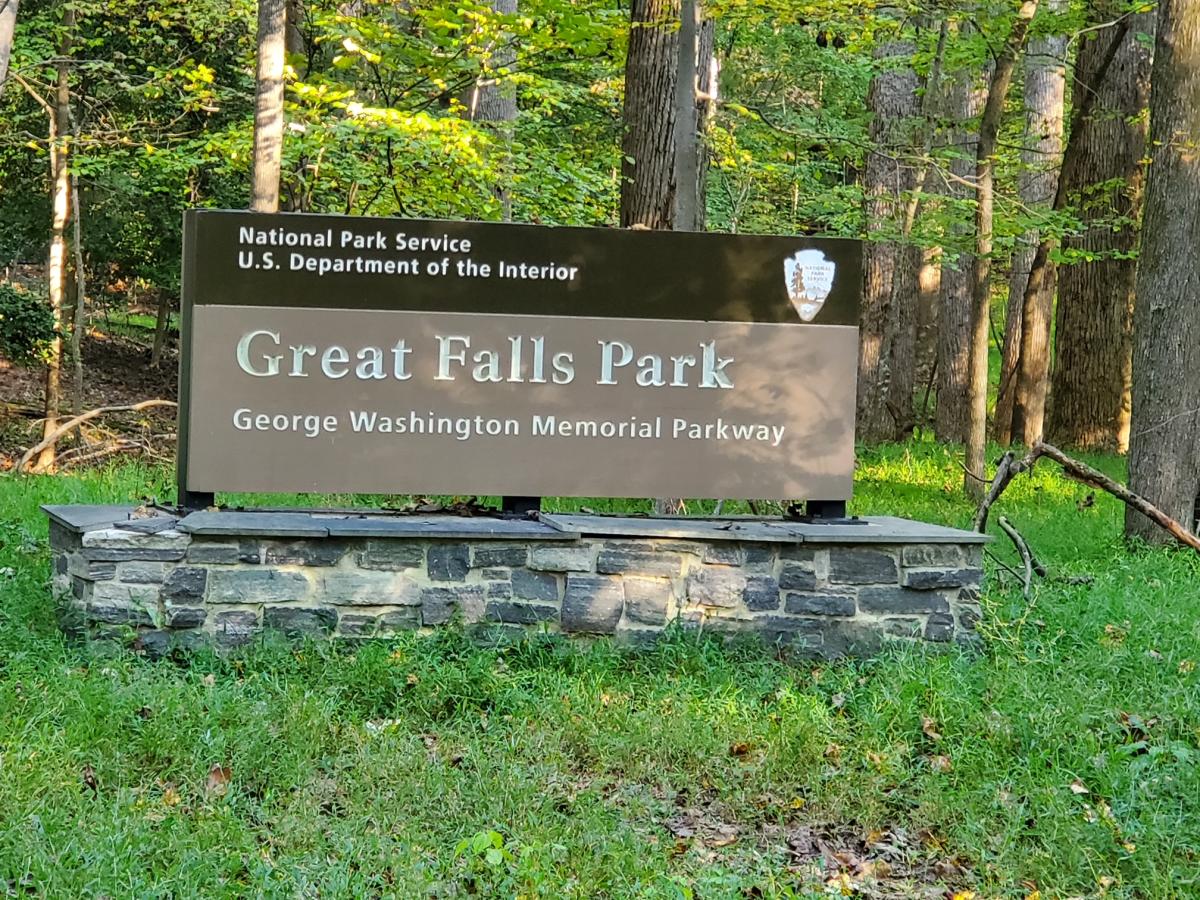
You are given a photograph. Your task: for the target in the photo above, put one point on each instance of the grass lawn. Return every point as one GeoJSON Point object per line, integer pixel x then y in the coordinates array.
{"type": "Point", "coordinates": [1062, 761]}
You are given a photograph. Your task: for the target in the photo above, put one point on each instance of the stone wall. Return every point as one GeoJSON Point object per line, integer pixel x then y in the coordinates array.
{"type": "Point", "coordinates": [164, 586]}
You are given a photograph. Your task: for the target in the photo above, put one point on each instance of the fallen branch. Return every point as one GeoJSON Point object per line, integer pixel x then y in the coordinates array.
{"type": "Point", "coordinates": [1008, 469]}
{"type": "Point", "coordinates": [51, 439]}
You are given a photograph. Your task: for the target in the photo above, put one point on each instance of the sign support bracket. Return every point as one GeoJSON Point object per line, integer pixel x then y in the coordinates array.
{"type": "Point", "coordinates": [520, 506]}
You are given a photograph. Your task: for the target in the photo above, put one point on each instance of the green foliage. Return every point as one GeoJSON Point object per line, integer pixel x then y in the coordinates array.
{"type": "Point", "coordinates": [1070, 742]}
{"type": "Point", "coordinates": [26, 325]}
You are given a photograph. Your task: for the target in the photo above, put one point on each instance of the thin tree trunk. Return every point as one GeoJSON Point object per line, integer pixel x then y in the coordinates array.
{"type": "Point", "coordinates": [1164, 447]}
{"type": "Point", "coordinates": [80, 317]}
{"type": "Point", "coordinates": [60, 211]}
{"type": "Point", "coordinates": [8, 22]}
{"type": "Point", "coordinates": [162, 320]}
{"type": "Point", "coordinates": [893, 103]}
{"type": "Point", "coordinates": [493, 98]}
{"type": "Point", "coordinates": [268, 106]}
{"type": "Point", "coordinates": [964, 105]}
{"type": "Point", "coordinates": [1093, 343]}
{"type": "Point", "coordinates": [1026, 354]}
{"type": "Point", "coordinates": [989, 128]}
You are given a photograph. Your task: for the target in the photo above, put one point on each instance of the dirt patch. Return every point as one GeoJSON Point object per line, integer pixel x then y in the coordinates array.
{"type": "Point", "coordinates": [117, 372]}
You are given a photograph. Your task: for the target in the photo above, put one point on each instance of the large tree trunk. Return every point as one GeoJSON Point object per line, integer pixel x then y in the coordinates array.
{"type": "Point", "coordinates": [664, 166]}
{"type": "Point", "coordinates": [1026, 356]}
{"type": "Point", "coordinates": [889, 267]}
{"type": "Point", "coordinates": [60, 211]}
{"type": "Point", "coordinates": [8, 22]}
{"type": "Point", "coordinates": [1093, 349]}
{"type": "Point", "coordinates": [989, 129]}
{"type": "Point", "coordinates": [965, 101]}
{"type": "Point", "coordinates": [1164, 446]}
{"type": "Point", "coordinates": [494, 99]}
{"type": "Point", "coordinates": [268, 106]}
{"type": "Point", "coordinates": [650, 169]}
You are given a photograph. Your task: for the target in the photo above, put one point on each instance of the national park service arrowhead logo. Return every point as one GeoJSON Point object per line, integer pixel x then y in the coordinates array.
{"type": "Point", "coordinates": [809, 278]}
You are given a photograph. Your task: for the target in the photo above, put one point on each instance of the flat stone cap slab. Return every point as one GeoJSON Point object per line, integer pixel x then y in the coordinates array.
{"type": "Point", "coordinates": [349, 525]}
{"type": "Point", "coordinates": [82, 518]}
{"type": "Point", "coordinates": [867, 530]}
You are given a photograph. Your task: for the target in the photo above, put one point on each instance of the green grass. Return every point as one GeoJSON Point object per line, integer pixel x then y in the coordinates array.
{"type": "Point", "coordinates": [392, 769]}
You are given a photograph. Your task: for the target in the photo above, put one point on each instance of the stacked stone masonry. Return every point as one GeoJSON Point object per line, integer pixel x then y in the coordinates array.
{"type": "Point", "coordinates": [170, 588]}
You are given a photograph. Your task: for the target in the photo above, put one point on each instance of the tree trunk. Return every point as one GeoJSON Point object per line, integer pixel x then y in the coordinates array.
{"type": "Point", "coordinates": [989, 128]}
{"type": "Point", "coordinates": [268, 106]}
{"type": "Point", "coordinates": [60, 211]}
{"type": "Point", "coordinates": [8, 22]}
{"type": "Point", "coordinates": [162, 320]}
{"type": "Point", "coordinates": [79, 321]}
{"type": "Point", "coordinates": [1164, 446]}
{"type": "Point", "coordinates": [965, 102]}
{"type": "Point", "coordinates": [893, 103]}
{"type": "Point", "coordinates": [494, 99]}
{"type": "Point", "coordinates": [1093, 349]}
{"type": "Point", "coordinates": [1026, 355]}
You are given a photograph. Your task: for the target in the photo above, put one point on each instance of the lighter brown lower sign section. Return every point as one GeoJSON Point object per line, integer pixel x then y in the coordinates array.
{"type": "Point", "coordinates": [369, 401]}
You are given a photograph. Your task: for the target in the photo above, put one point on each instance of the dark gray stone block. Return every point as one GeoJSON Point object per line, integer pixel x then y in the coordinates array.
{"type": "Point", "coordinates": [902, 627]}
{"type": "Point", "coordinates": [496, 575]}
{"type": "Point", "coordinates": [262, 524]}
{"type": "Point", "coordinates": [500, 590]}
{"type": "Point", "coordinates": [256, 586]}
{"type": "Point", "coordinates": [759, 554]}
{"type": "Point", "coordinates": [856, 565]}
{"type": "Point", "coordinates": [932, 556]}
{"type": "Point", "coordinates": [564, 558]}
{"type": "Point", "coordinates": [820, 604]}
{"type": "Point", "coordinates": [359, 626]}
{"type": "Point", "coordinates": [250, 551]}
{"type": "Point", "coordinates": [392, 555]}
{"type": "Point", "coordinates": [214, 554]}
{"type": "Point", "coordinates": [440, 604]}
{"type": "Point", "coordinates": [939, 627]}
{"type": "Point", "coordinates": [507, 557]}
{"type": "Point", "coordinates": [900, 600]}
{"type": "Point", "coordinates": [235, 628]}
{"type": "Point", "coordinates": [647, 600]}
{"type": "Point", "coordinates": [805, 635]}
{"type": "Point", "coordinates": [297, 622]}
{"type": "Point", "coordinates": [185, 585]}
{"type": "Point", "coordinates": [846, 637]}
{"type": "Point", "coordinates": [401, 620]}
{"type": "Point", "coordinates": [798, 553]}
{"type": "Point", "coordinates": [932, 579]}
{"type": "Point", "coordinates": [528, 585]}
{"type": "Point", "coordinates": [639, 562]}
{"type": "Point", "coordinates": [520, 613]}
{"type": "Point", "coordinates": [968, 619]}
{"type": "Point", "coordinates": [103, 554]}
{"type": "Point", "coordinates": [797, 577]}
{"type": "Point", "coordinates": [305, 553]}
{"type": "Point", "coordinates": [761, 594]}
{"type": "Point", "coordinates": [716, 586]}
{"type": "Point", "coordinates": [724, 554]}
{"type": "Point", "coordinates": [185, 616]}
{"type": "Point", "coordinates": [449, 562]}
{"type": "Point", "coordinates": [592, 604]}
{"type": "Point", "coordinates": [155, 643]}
{"type": "Point", "coordinates": [99, 571]}
{"type": "Point", "coordinates": [113, 614]}
{"type": "Point", "coordinates": [149, 525]}
{"type": "Point", "coordinates": [76, 518]}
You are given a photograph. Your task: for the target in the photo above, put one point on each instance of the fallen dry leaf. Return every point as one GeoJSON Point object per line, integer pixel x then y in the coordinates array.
{"type": "Point", "coordinates": [740, 748]}
{"type": "Point", "coordinates": [89, 779]}
{"type": "Point", "coordinates": [209, 680]}
{"type": "Point", "coordinates": [940, 763]}
{"type": "Point", "coordinates": [171, 796]}
{"type": "Point", "coordinates": [1186, 667]}
{"type": "Point", "coordinates": [1077, 787]}
{"type": "Point", "coordinates": [217, 784]}
{"type": "Point", "coordinates": [929, 726]}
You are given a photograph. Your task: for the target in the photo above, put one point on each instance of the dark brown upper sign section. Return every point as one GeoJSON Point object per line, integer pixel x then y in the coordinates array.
{"type": "Point", "coordinates": [339, 354]}
{"type": "Point", "coordinates": [339, 262]}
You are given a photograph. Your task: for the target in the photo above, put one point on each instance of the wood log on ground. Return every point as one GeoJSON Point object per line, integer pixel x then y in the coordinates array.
{"type": "Point", "coordinates": [1009, 468]}
{"type": "Point", "coordinates": [51, 439]}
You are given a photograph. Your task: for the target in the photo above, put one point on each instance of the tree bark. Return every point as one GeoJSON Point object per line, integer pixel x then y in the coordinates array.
{"type": "Point", "coordinates": [1026, 356]}
{"type": "Point", "coordinates": [1093, 342]}
{"type": "Point", "coordinates": [650, 165]}
{"type": "Point", "coordinates": [268, 106]}
{"type": "Point", "coordinates": [964, 104]}
{"type": "Point", "coordinates": [8, 23]}
{"type": "Point", "coordinates": [893, 103]}
{"type": "Point", "coordinates": [989, 128]}
{"type": "Point", "coordinates": [1164, 446]}
{"type": "Point", "coordinates": [493, 98]}
{"type": "Point", "coordinates": [79, 319]}
{"type": "Point", "coordinates": [60, 211]}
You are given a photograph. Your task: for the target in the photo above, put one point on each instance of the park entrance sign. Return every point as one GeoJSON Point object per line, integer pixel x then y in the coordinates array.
{"type": "Point", "coordinates": [351, 354]}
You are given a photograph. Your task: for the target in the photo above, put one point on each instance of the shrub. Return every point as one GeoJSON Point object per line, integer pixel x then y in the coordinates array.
{"type": "Point", "coordinates": [26, 325]}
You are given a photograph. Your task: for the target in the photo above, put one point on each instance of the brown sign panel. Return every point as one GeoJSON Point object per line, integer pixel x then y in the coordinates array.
{"type": "Point", "coordinates": [388, 356]}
